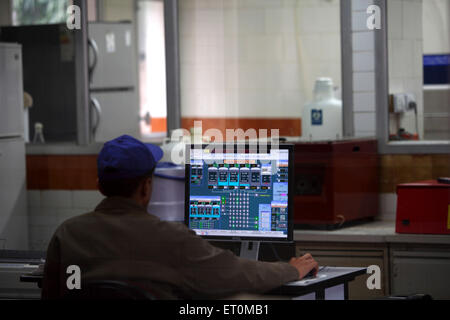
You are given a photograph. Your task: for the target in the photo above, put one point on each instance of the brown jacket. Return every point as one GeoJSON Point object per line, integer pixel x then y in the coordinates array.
{"type": "Point", "coordinates": [121, 241]}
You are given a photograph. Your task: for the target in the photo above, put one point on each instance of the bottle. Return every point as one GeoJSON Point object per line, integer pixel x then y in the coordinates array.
{"type": "Point", "coordinates": [322, 118]}
{"type": "Point", "coordinates": [38, 133]}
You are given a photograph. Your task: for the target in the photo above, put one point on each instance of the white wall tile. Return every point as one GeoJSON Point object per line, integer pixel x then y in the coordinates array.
{"type": "Point", "coordinates": [363, 61]}
{"type": "Point", "coordinates": [364, 82]}
{"type": "Point", "coordinates": [417, 64]}
{"type": "Point", "coordinates": [263, 48]}
{"type": "Point", "coordinates": [359, 21]}
{"type": "Point", "coordinates": [363, 41]}
{"type": "Point", "coordinates": [288, 77]}
{"type": "Point", "coordinates": [412, 25]}
{"type": "Point", "coordinates": [402, 59]}
{"type": "Point", "coordinates": [255, 3]}
{"type": "Point", "coordinates": [34, 198]}
{"type": "Point", "coordinates": [395, 19]}
{"type": "Point", "coordinates": [437, 38]}
{"type": "Point", "coordinates": [365, 121]}
{"type": "Point", "coordinates": [364, 102]}
{"type": "Point", "coordinates": [40, 237]}
{"type": "Point", "coordinates": [43, 216]}
{"type": "Point", "coordinates": [86, 199]}
{"type": "Point", "coordinates": [361, 5]}
{"type": "Point", "coordinates": [251, 21]}
{"type": "Point", "coordinates": [291, 48]}
{"type": "Point", "coordinates": [280, 21]}
{"type": "Point", "coordinates": [56, 199]}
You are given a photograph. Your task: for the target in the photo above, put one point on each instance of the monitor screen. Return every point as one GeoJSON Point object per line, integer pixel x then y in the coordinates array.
{"type": "Point", "coordinates": [239, 193]}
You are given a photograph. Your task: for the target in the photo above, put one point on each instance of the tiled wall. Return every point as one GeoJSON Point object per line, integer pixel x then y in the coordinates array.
{"type": "Point", "coordinates": [436, 17]}
{"type": "Point", "coordinates": [47, 209]}
{"type": "Point", "coordinates": [255, 58]}
{"type": "Point", "coordinates": [405, 50]}
{"type": "Point", "coordinates": [363, 40]}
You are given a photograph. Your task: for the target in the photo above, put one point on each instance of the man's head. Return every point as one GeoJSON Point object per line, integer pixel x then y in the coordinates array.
{"type": "Point", "coordinates": [125, 168]}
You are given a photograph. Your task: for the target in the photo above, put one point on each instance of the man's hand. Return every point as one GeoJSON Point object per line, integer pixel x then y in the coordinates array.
{"type": "Point", "coordinates": [304, 265]}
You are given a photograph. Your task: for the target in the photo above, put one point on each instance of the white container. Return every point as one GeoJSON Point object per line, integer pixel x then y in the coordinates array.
{"type": "Point", "coordinates": [167, 202]}
{"type": "Point", "coordinates": [322, 118]}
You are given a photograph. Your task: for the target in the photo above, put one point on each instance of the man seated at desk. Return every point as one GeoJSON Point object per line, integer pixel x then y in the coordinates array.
{"type": "Point", "coordinates": [120, 240]}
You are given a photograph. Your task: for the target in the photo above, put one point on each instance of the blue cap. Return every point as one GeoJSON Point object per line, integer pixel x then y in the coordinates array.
{"type": "Point", "coordinates": [126, 157]}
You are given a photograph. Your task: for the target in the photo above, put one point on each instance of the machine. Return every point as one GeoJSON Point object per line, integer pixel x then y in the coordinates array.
{"type": "Point", "coordinates": [423, 207]}
{"type": "Point", "coordinates": [240, 193]}
{"type": "Point", "coordinates": [336, 182]}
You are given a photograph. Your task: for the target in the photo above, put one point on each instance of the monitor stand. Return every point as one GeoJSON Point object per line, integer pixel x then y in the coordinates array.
{"type": "Point", "coordinates": [250, 250]}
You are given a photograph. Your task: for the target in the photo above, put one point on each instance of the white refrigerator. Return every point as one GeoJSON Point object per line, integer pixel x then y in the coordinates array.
{"type": "Point", "coordinates": [113, 80]}
{"type": "Point", "coordinates": [13, 199]}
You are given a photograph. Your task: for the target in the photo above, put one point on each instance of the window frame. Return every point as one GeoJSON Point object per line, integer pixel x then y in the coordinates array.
{"type": "Point", "coordinates": [171, 25]}
{"type": "Point", "coordinates": [381, 81]}
{"type": "Point", "coordinates": [382, 100]}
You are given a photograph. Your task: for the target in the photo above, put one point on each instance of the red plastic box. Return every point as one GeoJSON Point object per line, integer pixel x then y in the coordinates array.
{"type": "Point", "coordinates": [423, 208]}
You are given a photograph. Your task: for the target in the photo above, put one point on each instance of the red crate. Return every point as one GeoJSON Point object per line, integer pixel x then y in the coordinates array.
{"type": "Point", "coordinates": [423, 208]}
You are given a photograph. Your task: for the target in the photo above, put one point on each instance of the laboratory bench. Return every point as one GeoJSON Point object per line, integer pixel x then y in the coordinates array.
{"type": "Point", "coordinates": [409, 263]}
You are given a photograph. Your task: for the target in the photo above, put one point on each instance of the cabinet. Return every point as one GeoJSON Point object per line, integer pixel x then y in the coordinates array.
{"type": "Point", "coordinates": [420, 269]}
{"type": "Point", "coordinates": [406, 268]}
{"type": "Point", "coordinates": [352, 255]}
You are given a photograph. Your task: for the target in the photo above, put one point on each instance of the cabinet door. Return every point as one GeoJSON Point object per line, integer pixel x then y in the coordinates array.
{"type": "Point", "coordinates": [421, 271]}
{"type": "Point", "coordinates": [328, 255]}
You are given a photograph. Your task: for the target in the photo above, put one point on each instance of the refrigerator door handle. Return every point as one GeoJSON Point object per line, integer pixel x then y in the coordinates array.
{"type": "Point", "coordinates": [147, 118]}
{"type": "Point", "coordinates": [95, 106]}
{"type": "Point", "coordinates": [93, 64]}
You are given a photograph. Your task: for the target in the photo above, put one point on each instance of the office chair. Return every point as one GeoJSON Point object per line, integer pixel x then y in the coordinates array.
{"type": "Point", "coordinates": [108, 290]}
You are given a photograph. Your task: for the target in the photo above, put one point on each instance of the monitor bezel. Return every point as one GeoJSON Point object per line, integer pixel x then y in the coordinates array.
{"type": "Point", "coordinates": [289, 238]}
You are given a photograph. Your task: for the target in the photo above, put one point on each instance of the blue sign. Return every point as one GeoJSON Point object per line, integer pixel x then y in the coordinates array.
{"type": "Point", "coordinates": [316, 117]}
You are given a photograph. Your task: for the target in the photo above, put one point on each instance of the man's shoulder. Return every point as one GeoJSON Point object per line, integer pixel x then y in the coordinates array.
{"type": "Point", "coordinates": [173, 227]}
{"type": "Point", "coordinates": [76, 219]}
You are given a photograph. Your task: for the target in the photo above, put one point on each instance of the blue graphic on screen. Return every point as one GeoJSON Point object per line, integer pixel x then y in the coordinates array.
{"type": "Point", "coordinates": [239, 194]}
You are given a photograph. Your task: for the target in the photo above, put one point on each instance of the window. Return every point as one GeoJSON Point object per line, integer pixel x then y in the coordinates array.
{"type": "Point", "coordinates": [419, 64]}
{"type": "Point", "coordinates": [253, 64]}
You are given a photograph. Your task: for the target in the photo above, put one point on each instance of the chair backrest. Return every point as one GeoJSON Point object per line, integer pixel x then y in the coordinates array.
{"type": "Point", "coordinates": [108, 290]}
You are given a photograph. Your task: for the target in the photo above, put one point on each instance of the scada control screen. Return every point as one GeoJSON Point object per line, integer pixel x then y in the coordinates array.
{"type": "Point", "coordinates": [238, 194]}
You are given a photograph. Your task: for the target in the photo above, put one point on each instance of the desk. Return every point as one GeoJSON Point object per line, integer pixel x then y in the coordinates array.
{"type": "Point", "coordinates": [331, 283]}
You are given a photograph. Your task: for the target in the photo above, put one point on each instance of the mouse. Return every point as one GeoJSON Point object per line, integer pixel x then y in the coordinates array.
{"type": "Point", "coordinates": [310, 274]}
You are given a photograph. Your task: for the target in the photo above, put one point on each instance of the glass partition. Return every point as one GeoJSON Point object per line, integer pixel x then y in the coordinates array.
{"type": "Point", "coordinates": [254, 64]}
{"type": "Point", "coordinates": [419, 62]}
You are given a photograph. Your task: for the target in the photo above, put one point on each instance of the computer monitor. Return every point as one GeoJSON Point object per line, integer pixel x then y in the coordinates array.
{"type": "Point", "coordinates": [240, 193]}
